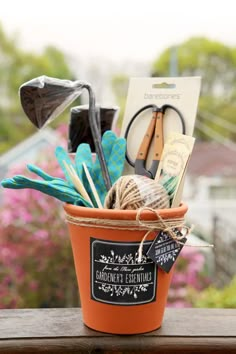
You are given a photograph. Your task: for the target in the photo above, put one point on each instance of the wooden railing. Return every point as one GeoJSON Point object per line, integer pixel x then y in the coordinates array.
{"type": "Point", "coordinates": [62, 331]}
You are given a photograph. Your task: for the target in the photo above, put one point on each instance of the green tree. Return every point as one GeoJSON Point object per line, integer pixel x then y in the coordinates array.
{"type": "Point", "coordinates": [216, 64]}
{"type": "Point", "coordinates": [17, 67]}
{"type": "Point", "coordinates": [120, 83]}
{"type": "Point", "coordinates": [214, 297]}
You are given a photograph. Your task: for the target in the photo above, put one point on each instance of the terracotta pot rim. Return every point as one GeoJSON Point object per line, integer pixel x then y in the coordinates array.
{"type": "Point", "coordinates": [75, 210]}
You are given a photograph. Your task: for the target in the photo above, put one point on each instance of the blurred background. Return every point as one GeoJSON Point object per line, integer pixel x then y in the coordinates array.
{"type": "Point", "coordinates": [106, 43]}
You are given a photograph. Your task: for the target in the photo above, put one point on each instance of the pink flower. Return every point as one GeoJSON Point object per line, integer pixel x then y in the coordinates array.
{"type": "Point", "coordinates": [187, 274]}
{"type": "Point", "coordinates": [33, 285]}
{"type": "Point", "coordinates": [6, 217]}
{"type": "Point", "coordinates": [41, 234]}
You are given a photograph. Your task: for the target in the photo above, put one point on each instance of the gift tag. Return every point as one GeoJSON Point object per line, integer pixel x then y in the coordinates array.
{"type": "Point", "coordinates": [164, 250]}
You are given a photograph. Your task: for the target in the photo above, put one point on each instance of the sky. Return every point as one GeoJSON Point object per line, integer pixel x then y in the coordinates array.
{"type": "Point", "coordinates": [133, 30]}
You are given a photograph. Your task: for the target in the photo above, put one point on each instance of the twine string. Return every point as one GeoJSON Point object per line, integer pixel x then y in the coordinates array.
{"type": "Point", "coordinates": [183, 229]}
{"type": "Point", "coordinates": [169, 229]}
{"type": "Point", "coordinates": [131, 192]}
{"type": "Point", "coordinates": [168, 226]}
{"type": "Point", "coordinates": [114, 224]}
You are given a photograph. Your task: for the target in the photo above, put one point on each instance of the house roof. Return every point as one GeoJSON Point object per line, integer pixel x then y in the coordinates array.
{"type": "Point", "coordinates": [28, 149]}
{"type": "Point", "coordinates": [213, 159]}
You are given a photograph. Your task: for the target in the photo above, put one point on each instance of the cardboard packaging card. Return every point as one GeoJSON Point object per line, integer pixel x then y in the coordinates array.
{"type": "Point", "coordinates": [180, 92]}
{"type": "Point", "coordinates": [174, 161]}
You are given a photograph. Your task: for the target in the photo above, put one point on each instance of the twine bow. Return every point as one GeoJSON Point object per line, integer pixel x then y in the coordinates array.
{"type": "Point", "coordinates": [168, 226]}
{"type": "Point", "coordinates": [162, 225]}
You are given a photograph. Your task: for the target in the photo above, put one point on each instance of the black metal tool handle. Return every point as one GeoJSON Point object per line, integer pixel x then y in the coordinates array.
{"type": "Point", "coordinates": [156, 125]}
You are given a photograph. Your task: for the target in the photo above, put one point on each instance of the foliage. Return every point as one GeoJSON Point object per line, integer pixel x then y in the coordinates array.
{"type": "Point", "coordinates": [120, 85]}
{"type": "Point", "coordinates": [189, 274]}
{"type": "Point", "coordinates": [17, 67]}
{"type": "Point", "coordinates": [212, 60]}
{"type": "Point", "coordinates": [36, 267]}
{"type": "Point", "coordinates": [216, 64]}
{"type": "Point", "coordinates": [214, 297]}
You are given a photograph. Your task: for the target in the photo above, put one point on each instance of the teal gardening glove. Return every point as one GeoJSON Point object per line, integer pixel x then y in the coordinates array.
{"type": "Point", "coordinates": [53, 186]}
{"type": "Point", "coordinates": [114, 152]}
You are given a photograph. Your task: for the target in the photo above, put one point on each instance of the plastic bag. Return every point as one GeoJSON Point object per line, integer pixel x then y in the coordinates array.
{"type": "Point", "coordinates": [44, 98]}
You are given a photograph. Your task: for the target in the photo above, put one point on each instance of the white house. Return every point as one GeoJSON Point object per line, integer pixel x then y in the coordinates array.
{"type": "Point", "coordinates": [210, 186]}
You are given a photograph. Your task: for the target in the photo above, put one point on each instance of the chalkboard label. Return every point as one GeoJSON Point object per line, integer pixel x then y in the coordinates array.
{"type": "Point", "coordinates": [164, 250]}
{"type": "Point", "coordinates": [116, 275]}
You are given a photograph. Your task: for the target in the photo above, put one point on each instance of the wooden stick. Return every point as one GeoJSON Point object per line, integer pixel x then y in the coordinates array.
{"type": "Point", "coordinates": [77, 182]}
{"type": "Point", "coordinates": [93, 188]}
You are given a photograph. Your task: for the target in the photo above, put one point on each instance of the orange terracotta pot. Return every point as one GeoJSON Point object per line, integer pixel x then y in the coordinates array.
{"type": "Point", "coordinates": [118, 294]}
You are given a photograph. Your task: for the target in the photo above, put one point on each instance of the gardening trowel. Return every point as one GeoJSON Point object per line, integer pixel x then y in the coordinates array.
{"type": "Point", "coordinates": [79, 127]}
{"type": "Point", "coordinates": [44, 98]}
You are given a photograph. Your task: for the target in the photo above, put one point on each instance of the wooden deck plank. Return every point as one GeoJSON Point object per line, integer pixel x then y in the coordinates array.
{"type": "Point", "coordinates": [62, 331]}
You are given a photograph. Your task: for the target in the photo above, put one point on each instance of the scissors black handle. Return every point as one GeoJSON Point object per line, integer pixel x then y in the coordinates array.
{"type": "Point", "coordinates": [155, 127]}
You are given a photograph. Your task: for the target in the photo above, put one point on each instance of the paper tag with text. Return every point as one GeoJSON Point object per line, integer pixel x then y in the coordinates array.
{"type": "Point", "coordinates": [164, 250]}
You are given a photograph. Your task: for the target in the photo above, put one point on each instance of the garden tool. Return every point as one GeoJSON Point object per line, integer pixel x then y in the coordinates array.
{"type": "Point", "coordinates": [55, 187]}
{"type": "Point", "coordinates": [44, 98]}
{"type": "Point", "coordinates": [155, 129]}
{"type": "Point", "coordinates": [79, 127]}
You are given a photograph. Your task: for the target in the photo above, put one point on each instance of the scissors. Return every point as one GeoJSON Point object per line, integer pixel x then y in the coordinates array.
{"type": "Point", "coordinates": [155, 129]}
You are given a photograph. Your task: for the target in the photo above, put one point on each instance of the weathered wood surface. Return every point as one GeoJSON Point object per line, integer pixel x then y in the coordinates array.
{"type": "Point", "coordinates": [62, 331]}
